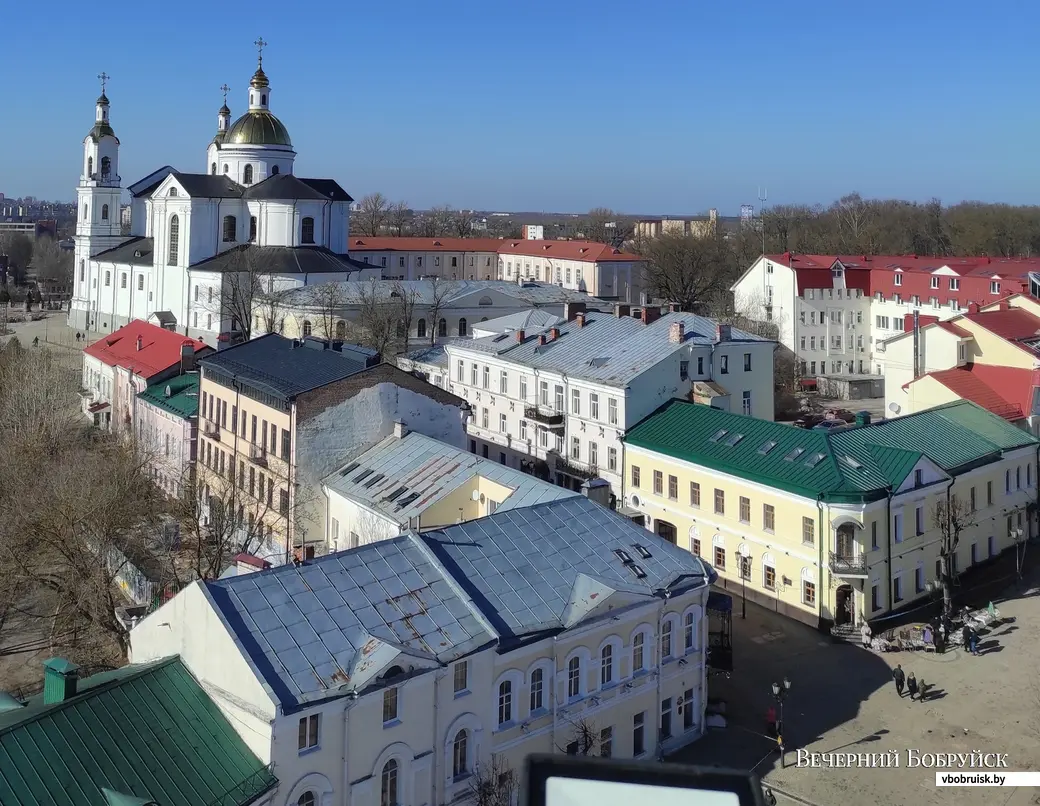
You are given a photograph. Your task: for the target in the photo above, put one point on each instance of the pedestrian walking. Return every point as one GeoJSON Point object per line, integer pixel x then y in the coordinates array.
{"type": "Point", "coordinates": [911, 686]}
{"type": "Point", "coordinates": [973, 643]}
{"type": "Point", "coordinates": [922, 690]}
{"type": "Point", "coordinates": [864, 631]}
{"type": "Point", "coordinates": [900, 678]}
{"type": "Point", "coordinates": [966, 636]}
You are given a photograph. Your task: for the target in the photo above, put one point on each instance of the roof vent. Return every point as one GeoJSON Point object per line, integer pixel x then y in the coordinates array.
{"type": "Point", "coordinates": [814, 460]}
{"type": "Point", "coordinates": [9, 703]}
{"type": "Point", "coordinates": [638, 571]}
{"type": "Point", "coordinates": [168, 392]}
{"type": "Point", "coordinates": [437, 243]}
{"type": "Point", "coordinates": [766, 447]}
{"type": "Point", "coordinates": [60, 679]}
{"type": "Point", "coordinates": [734, 439]}
{"type": "Point", "coordinates": [851, 462]}
{"type": "Point", "coordinates": [794, 454]}
{"type": "Point", "coordinates": [137, 253]}
{"type": "Point", "coordinates": [718, 435]}
{"type": "Point", "coordinates": [349, 469]}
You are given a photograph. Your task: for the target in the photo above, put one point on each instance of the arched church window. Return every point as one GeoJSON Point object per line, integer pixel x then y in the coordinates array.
{"type": "Point", "coordinates": [122, 280]}
{"type": "Point", "coordinates": [213, 168]}
{"type": "Point", "coordinates": [82, 270]}
{"type": "Point", "coordinates": [420, 329]}
{"type": "Point", "coordinates": [247, 175]}
{"type": "Point", "coordinates": [104, 212]}
{"type": "Point", "coordinates": [307, 230]}
{"type": "Point", "coordinates": [106, 167]}
{"type": "Point", "coordinates": [252, 228]}
{"type": "Point", "coordinates": [175, 234]}
{"type": "Point", "coordinates": [86, 209]}
{"type": "Point", "coordinates": [306, 327]}
{"type": "Point", "coordinates": [274, 170]}
{"type": "Point", "coordinates": [252, 98]}
{"type": "Point", "coordinates": [108, 278]}
{"type": "Point", "coordinates": [442, 327]}
{"type": "Point", "coordinates": [225, 167]}
{"type": "Point", "coordinates": [90, 167]}
{"type": "Point", "coordinates": [463, 331]}
{"type": "Point", "coordinates": [263, 100]}
{"type": "Point", "coordinates": [230, 228]}
{"type": "Point", "coordinates": [173, 192]}
{"type": "Point", "coordinates": [341, 330]}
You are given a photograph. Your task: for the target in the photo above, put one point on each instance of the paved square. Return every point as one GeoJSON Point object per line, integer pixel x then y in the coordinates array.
{"type": "Point", "coordinates": [843, 699]}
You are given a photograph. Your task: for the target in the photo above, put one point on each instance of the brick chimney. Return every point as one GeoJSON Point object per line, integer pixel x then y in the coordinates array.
{"type": "Point", "coordinates": [676, 332]}
{"type": "Point", "coordinates": [541, 339]}
{"type": "Point", "coordinates": [621, 311]}
{"type": "Point", "coordinates": [650, 314]}
{"type": "Point", "coordinates": [554, 333]}
{"type": "Point", "coordinates": [580, 319]}
{"type": "Point", "coordinates": [572, 309]}
{"type": "Point", "coordinates": [520, 337]}
{"type": "Point", "coordinates": [140, 343]}
{"type": "Point", "coordinates": [973, 307]}
{"type": "Point", "coordinates": [723, 332]}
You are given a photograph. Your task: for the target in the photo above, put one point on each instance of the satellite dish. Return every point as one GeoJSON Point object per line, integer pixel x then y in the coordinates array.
{"type": "Point", "coordinates": [894, 408]}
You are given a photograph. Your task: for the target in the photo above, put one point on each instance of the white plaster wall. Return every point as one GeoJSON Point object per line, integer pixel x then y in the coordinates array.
{"type": "Point", "coordinates": [188, 626]}
{"type": "Point", "coordinates": [855, 324]}
{"type": "Point", "coordinates": [169, 443]}
{"type": "Point", "coordinates": [369, 526]}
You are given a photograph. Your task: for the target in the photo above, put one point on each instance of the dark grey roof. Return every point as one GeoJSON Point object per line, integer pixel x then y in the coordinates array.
{"type": "Point", "coordinates": [144, 187]}
{"type": "Point", "coordinates": [135, 252]}
{"type": "Point", "coordinates": [209, 186]}
{"type": "Point", "coordinates": [288, 187]}
{"type": "Point", "coordinates": [282, 260]}
{"type": "Point", "coordinates": [285, 368]}
{"type": "Point", "coordinates": [334, 624]}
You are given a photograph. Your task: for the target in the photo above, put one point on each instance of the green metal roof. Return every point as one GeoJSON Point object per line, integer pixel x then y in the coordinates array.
{"type": "Point", "coordinates": [184, 395]}
{"type": "Point", "coordinates": [147, 732]}
{"type": "Point", "coordinates": [854, 464]}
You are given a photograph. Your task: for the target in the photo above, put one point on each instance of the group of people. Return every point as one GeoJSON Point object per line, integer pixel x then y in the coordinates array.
{"type": "Point", "coordinates": [915, 688]}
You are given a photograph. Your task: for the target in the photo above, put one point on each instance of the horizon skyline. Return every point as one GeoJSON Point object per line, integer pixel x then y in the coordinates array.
{"type": "Point", "coordinates": [441, 129]}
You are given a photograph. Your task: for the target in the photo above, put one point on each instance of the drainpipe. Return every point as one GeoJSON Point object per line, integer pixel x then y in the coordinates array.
{"type": "Point", "coordinates": [437, 676]}
{"type": "Point", "coordinates": [660, 670]}
{"type": "Point", "coordinates": [888, 543]}
{"type": "Point", "coordinates": [947, 563]}
{"type": "Point", "coordinates": [819, 606]}
{"type": "Point", "coordinates": [555, 691]}
{"type": "Point", "coordinates": [351, 701]}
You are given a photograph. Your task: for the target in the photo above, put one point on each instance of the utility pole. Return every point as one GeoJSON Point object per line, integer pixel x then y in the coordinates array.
{"type": "Point", "coordinates": [917, 343]}
{"type": "Point", "coordinates": [763, 194]}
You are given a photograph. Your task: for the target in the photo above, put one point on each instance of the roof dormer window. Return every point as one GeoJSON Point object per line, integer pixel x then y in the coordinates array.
{"type": "Point", "coordinates": [934, 282]}
{"type": "Point", "coordinates": [173, 192]}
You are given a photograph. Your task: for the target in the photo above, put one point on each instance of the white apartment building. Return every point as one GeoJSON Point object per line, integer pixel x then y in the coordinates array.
{"type": "Point", "coordinates": [557, 402]}
{"type": "Point", "coordinates": [367, 678]}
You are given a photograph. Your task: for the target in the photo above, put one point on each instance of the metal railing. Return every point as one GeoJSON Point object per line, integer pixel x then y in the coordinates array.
{"type": "Point", "coordinates": [544, 415]}
{"type": "Point", "coordinates": [843, 563]}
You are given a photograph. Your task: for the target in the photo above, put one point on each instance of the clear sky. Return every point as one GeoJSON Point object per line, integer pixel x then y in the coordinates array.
{"type": "Point", "coordinates": [665, 107]}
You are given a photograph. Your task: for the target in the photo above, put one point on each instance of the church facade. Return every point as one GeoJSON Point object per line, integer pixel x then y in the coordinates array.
{"type": "Point", "coordinates": [205, 248]}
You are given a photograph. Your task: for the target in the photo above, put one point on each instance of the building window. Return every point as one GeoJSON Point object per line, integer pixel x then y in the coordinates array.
{"type": "Point", "coordinates": [573, 678]}
{"type": "Point", "coordinates": [82, 270]}
{"type": "Point", "coordinates": [252, 228]}
{"type": "Point", "coordinates": [307, 230]}
{"type": "Point", "coordinates": [307, 328]}
{"type": "Point", "coordinates": [486, 377]}
{"type": "Point", "coordinates": [666, 718]}
{"type": "Point", "coordinates": [503, 425]}
{"type": "Point", "coordinates": [720, 502]}
{"type": "Point", "coordinates": [635, 476]}
{"type": "Point", "coordinates": [388, 784]}
{"type": "Point", "coordinates": [689, 625]}
{"type": "Point", "coordinates": [230, 228]}
{"type": "Point", "coordinates": [537, 686]}
{"type": "Point", "coordinates": [695, 494]}
{"type": "Point", "coordinates": [897, 589]}
{"type": "Point", "coordinates": [503, 382]}
{"type": "Point", "coordinates": [745, 403]}
{"type": "Point", "coordinates": [720, 558]}
{"type": "Point", "coordinates": [612, 412]}
{"type": "Point", "coordinates": [309, 732]}
{"type": "Point", "coordinates": [606, 742]}
{"type": "Point", "coordinates": [745, 510]}
{"type": "Point", "coordinates": [108, 278]}
{"type": "Point", "coordinates": [462, 327]}
{"type": "Point", "coordinates": [390, 705]}
{"type": "Point", "coordinates": [638, 734]}
{"type": "Point", "coordinates": [140, 282]}
{"type": "Point", "coordinates": [575, 401]}
{"type": "Point", "coordinates": [638, 660]}
{"type": "Point", "coordinates": [459, 752]}
{"type": "Point", "coordinates": [724, 364]}
{"type": "Point", "coordinates": [808, 531]}
{"type": "Point", "coordinates": [174, 241]}
{"type": "Point", "coordinates": [461, 676]}
{"type": "Point", "coordinates": [606, 665]}
{"type": "Point", "coordinates": [747, 356]}
{"type": "Point", "coordinates": [745, 567]}
{"type": "Point", "coordinates": [122, 280]}
{"type": "Point", "coordinates": [919, 520]}
{"type": "Point", "coordinates": [768, 518]}
{"type": "Point", "coordinates": [104, 212]}
{"type": "Point", "coordinates": [808, 593]}
{"type": "Point", "coordinates": [247, 175]}
{"type": "Point", "coordinates": [769, 577]}
{"type": "Point", "coordinates": [658, 482]}
{"type": "Point", "coordinates": [673, 488]}
{"type": "Point", "coordinates": [307, 799]}
{"type": "Point", "coordinates": [505, 702]}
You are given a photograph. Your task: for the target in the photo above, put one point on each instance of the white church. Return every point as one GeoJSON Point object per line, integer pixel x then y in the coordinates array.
{"type": "Point", "coordinates": [198, 238]}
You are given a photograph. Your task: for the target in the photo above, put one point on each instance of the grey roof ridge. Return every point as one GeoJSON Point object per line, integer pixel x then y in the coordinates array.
{"type": "Point", "coordinates": [420, 542]}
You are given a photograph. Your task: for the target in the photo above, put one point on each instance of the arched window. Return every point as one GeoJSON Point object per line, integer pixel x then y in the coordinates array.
{"type": "Point", "coordinates": [638, 652]}
{"type": "Point", "coordinates": [505, 702]}
{"type": "Point", "coordinates": [252, 98]}
{"type": "Point", "coordinates": [213, 168]}
{"type": "Point", "coordinates": [537, 690]}
{"type": "Point", "coordinates": [689, 630]}
{"type": "Point", "coordinates": [86, 210]}
{"type": "Point", "coordinates": [388, 784]}
{"type": "Point", "coordinates": [307, 799]}
{"type": "Point", "coordinates": [666, 640]}
{"type": "Point", "coordinates": [173, 192]}
{"type": "Point", "coordinates": [274, 170]}
{"type": "Point", "coordinates": [573, 677]}
{"type": "Point", "coordinates": [226, 167]}
{"type": "Point", "coordinates": [104, 212]}
{"type": "Point", "coordinates": [341, 330]}
{"type": "Point", "coordinates": [462, 327]}
{"type": "Point", "coordinates": [247, 175]}
{"type": "Point", "coordinates": [108, 278]}
{"type": "Point", "coordinates": [442, 327]}
{"type": "Point", "coordinates": [82, 270]}
{"type": "Point", "coordinates": [252, 228]}
{"type": "Point", "coordinates": [606, 665]}
{"type": "Point", "coordinates": [90, 167]}
{"type": "Point", "coordinates": [175, 235]}
{"type": "Point", "coordinates": [230, 228]}
{"type": "Point", "coordinates": [459, 753]}
{"type": "Point", "coordinates": [307, 230]}
{"type": "Point", "coordinates": [402, 330]}
{"type": "Point", "coordinates": [307, 327]}
{"type": "Point", "coordinates": [106, 167]}
{"type": "Point", "coordinates": [263, 99]}
{"type": "Point", "coordinates": [420, 328]}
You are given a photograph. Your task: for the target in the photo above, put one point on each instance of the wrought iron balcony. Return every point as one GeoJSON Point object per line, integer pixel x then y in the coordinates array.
{"type": "Point", "coordinates": [848, 565]}
{"type": "Point", "coordinates": [571, 468]}
{"type": "Point", "coordinates": [543, 415]}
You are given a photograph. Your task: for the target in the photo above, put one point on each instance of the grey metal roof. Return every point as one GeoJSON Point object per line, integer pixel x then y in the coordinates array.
{"type": "Point", "coordinates": [329, 188]}
{"type": "Point", "coordinates": [145, 186]}
{"type": "Point", "coordinates": [610, 349]}
{"type": "Point", "coordinates": [403, 477]}
{"type": "Point", "coordinates": [330, 625]}
{"type": "Point", "coordinates": [274, 365]}
{"type": "Point", "coordinates": [288, 187]}
{"type": "Point", "coordinates": [334, 624]}
{"type": "Point", "coordinates": [282, 260]}
{"type": "Point", "coordinates": [135, 252]}
{"type": "Point", "coordinates": [434, 354]}
{"type": "Point", "coordinates": [451, 291]}
{"type": "Point", "coordinates": [208, 186]}
{"type": "Point", "coordinates": [521, 320]}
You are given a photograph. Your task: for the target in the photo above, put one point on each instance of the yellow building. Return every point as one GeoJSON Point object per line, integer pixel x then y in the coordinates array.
{"type": "Point", "coordinates": [833, 527]}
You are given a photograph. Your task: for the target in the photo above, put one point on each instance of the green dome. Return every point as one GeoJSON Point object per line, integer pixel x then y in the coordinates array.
{"type": "Point", "coordinates": [258, 128]}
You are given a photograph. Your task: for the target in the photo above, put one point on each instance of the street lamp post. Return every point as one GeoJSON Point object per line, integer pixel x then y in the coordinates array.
{"type": "Point", "coordinates": [745, 572]}
{"type": "Point", "coordinates": [1016, 535]}
{"type": "Point", "coordinates": [780, 692]}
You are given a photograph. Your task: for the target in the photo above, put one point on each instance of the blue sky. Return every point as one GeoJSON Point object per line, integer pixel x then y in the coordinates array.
{"type": "Point", "coordinates": [666, 107]}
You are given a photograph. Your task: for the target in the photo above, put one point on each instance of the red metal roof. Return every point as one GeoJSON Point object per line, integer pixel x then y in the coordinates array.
{"type": "Point", "coordinates": [158, 348]}
{"type": "Point", "coordinates": [566, 250]}
{"type": "Point", "coordinates": [980, 383]}
{"type": "Point", "coordinates": [405, 244]}
{"type": "Point", "coordinates": [956, 330]}
{"type": "Point", "coordinates": [1013, 324]}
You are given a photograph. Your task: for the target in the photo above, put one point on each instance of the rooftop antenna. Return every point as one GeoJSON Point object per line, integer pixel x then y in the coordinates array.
{"type": "Point", "coordinates": [763, 194]}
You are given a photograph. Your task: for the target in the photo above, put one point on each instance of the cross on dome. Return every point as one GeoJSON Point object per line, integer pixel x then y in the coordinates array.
{"type": "Point", "coordinates": [260, 45]}
{"type": "Point", "coordinates": [224, 88]}
{"type": "Point", "coordinates": [103, 78]}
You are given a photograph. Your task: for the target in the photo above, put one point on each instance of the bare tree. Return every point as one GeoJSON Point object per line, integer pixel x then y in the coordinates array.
{"type": "Point", "coordinates": [246, 293]}
{"type": "Point", "coordinates": [18, 248]}
{"type": "Point", "coordinates": [376, 323]}
{"type": "Point", "coordinates": [372, 215]}
{"type": "Point", "coordinates": [584, 738]}
{"type": "Point", "coordinates": [951, 516]}
{"type": "Point", "coordinates": [327, 302]}
{"type": "Point", "coordinates": [397, 217]}
{"type": "Point", "coordinates": [604, 225]}
{"type": "Point", "coordinates": [50, 261]}
{"type": "Point", "coordinates": [442, 218]}
{"type": "Point", "coordinates": [692, 271]}
{"type": "Point", "coordinates": [402, 307]}
{"type": "Point", "coordinates": [462, 223]}
{"type": "Point", "coordinates": [441, 291]}
{"type": "Point", "coordinates": [493, 783]}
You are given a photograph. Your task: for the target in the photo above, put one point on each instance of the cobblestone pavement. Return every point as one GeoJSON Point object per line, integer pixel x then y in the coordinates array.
{"type": "Point", "coordinates": [842, 699]}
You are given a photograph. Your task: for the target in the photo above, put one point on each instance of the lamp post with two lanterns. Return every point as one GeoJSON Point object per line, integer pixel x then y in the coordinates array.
{"type": "Point", "coordinates": [780, 692]}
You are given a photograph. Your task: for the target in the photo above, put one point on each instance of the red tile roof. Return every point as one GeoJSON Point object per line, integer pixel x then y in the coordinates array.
{"type": "Point", "coordinates": [980, 383]}
{"type": "Point", "coordinates": [956, 330]}
{"type": "Point", "coordinates": [159, 348]}
{"type": "Point", "coordinates": [566, 250]}
{"type": "Point", "coordinates": [1013, 324]}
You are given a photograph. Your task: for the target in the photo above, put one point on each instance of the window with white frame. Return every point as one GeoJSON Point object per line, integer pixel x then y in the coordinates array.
{"type": "Point", "coordinates": [559, 398]}
{"type": "Point", "coordinates": [390, 705]}
{"type": "Point", "coordinates": [487, 377]}
{"type": "Point", "coordinates": [606, 665]}
{"type": "Point", "coordinates": [666, 639]}
{"type": "Point", "coordinates": [460, 755]}
{"type": "Point", "coordinates": [523, 429]}
{"type": "Point", "coordinates": [575, 401]}
{"type": "Point", "coordinates": [523, 388]}
{"type": "Point", "coordinates": [638, 652]}
{"type": "Point", "coordinates": [388, 784]}
{"type": "Point", "coordinates": [612, 411]}
{"type": "Point", "coordinates": [309, 726]}
{"type": "Point", "coordinates": [461, 677]}
{"type": "Point", "coordinates": [576, 448]}
{"type": "Point", "coordinates": [503, 425]}
{"type": "Point", "coordinates": [689, 631]}
{"type": "Point", "coordinates": [503, 382]}
{"type": "Point", "coordinates": [593, 454]}
{"type": "Point", "coordinates": [543, 393]}
{"type": "Point", "coordinates": [461, 375]}
{"type": "Point", "coordinates": [573, 678]}
{"type": "Point", "coordinates": [473, 375]}
{"type": "Point", "coordinates": [593, 405]}
{"type": "Point", "coordinates": [505, 702]}
{"type": "Point", "coordinates": [612, 459]}
{"type": "Point", "coordinates": [537, 690]}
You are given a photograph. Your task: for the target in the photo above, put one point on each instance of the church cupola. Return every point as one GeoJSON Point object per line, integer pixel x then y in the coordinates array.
{"type": "Point", "coordinates": [101, 146]}
{"type": "Point", "coordinates": [224, 115]}
{"type": "Point", "coordinates": [259, 86]}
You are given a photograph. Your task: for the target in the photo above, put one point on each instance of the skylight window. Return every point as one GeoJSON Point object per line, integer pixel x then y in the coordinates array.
{"type": "Point", "coordinates": [793, 455]}
{"type": "Point", "coordinates": [407, 500]}
{"type": "Point", "coordinates": [364, 474]}
{"type": "Point", "coordinates": [501, 338]}
{"type": "Point", "coordinates": [718, 435]}
{"type": "Point", "coordinates": [372, 481]}
{"type": "Point", "coordinates": [814, 460]}
{"type": "Point", "coordinates": [734, 439]}
{"type": "Point", "coordinates": [767, 447]}
{"type": "Point", "coordinates": [852, 462]}
{"type": "Point", "coordinates": [639, 572]}
{"type": "Point", "coordinates": [349, 469]}
{"type": "Point", "coordinates": [396, 493]}
{"type": "Point", "coordinates": [644, 552]}
{"type": "Point", "coordinates": [623, 555]}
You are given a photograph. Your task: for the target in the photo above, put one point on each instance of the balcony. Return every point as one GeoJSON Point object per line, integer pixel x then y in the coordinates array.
{"type": "Point", "coordinates": [211, 429]}
{"type": "Point", "coordinates": [544, 415]}
{"type": "Point", "coordinates": [258, 455]}
{"type": "Point", "coordinates": [849, 565]}
{"type": "Point", "coordinates": [572, 468]}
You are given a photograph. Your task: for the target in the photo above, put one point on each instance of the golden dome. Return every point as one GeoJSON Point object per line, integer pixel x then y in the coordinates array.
{"type": "Point", "coordinates": [259, 79]}
{"type": "Point", "coordinates": [258, 127]}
